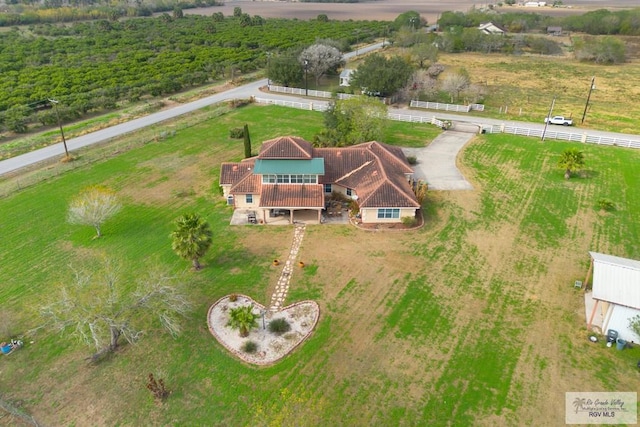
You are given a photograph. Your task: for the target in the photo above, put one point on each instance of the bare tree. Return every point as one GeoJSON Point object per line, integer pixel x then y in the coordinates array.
{"type": "Point", "coordinates": [97, 307]}
{"type": "Point", "coordinates": [454, 83]}
{"type": "Point", "coordinates": [93, 206]}
{"type": "Point", "coordinates": [420, 84]}
{"type": "Point", "coordinates": [320, 59]}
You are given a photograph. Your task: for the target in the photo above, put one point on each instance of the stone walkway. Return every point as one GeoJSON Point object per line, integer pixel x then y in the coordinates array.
{"type": "Point", "coordinates": [280, 294]}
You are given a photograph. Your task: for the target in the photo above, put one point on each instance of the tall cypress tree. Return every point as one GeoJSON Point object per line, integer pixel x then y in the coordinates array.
{"type": "Point", "coordinates": [247, 142]}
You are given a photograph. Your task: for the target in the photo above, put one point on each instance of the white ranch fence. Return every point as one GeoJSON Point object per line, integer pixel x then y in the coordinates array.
{"type": "Point", "coordinates": [515, 130]}
{"type": "Point", "coordinates": [447, 107]}
{"type": "Point", "coordinates": [563, 135]}
{"type": "Point", "coordinates": [317, 93]}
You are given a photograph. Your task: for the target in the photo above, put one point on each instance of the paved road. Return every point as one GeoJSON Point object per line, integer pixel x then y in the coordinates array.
{"type": "Point", "coordinates": [57, 150]}
{"type": "Point", "coordinates": [241, 92]}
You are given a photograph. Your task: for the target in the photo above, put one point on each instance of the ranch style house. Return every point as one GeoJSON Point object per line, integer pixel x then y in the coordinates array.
{"type": "Point", "coordinates": [290, 176]}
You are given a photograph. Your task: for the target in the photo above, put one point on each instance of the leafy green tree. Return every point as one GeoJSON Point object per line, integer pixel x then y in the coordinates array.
{"type": "Point", "coordinates": [425, 53]}
{"type": "Point", "coordinates": [93, 206]}
{"type": "Point", "coordinates": [237, 12]}
{"type": "Point", "coordinates": [377, 74]}
{"type": "Point", "coordinates": [353, 121]}
{"type": "Point", "coordinates": [191, 238]}
{"type": "Point", "coordinates": [243, 318]}
{"type": "Point", "coordinates": [99, 309]}
{"type": "Point", "coordinates": [571, 160]}
{"type": "Point", "coordinates": [410, 19]}
{"type": "Point", "coordinates": [285, 70]}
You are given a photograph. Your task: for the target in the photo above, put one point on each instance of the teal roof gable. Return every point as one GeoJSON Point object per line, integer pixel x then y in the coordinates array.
{"type": "Point", "coordinates": [313, 166]}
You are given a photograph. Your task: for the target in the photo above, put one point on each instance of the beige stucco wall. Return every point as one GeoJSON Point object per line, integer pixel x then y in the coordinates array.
{"type": "Point", "coordinates": [225, 190]}
{"type": "Point", "coordinates": [370, 215]}
{"type": "Point", "coordinates": [240, 203]}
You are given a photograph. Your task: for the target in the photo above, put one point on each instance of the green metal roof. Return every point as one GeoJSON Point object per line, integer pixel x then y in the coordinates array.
{"type": "Point", "coordinates": [279, 166]}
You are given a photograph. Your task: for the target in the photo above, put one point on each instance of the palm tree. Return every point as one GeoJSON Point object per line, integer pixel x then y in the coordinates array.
{"type": "Point", "coordinates": [571, 160]}
{"type": "Point", "coordinates": [192, 238]}
{"type": "Point", "coordinates": [243, 318]}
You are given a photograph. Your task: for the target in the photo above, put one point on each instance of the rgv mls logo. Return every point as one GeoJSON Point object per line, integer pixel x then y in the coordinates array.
{"type": "Point", "coordinates": [601, 407]}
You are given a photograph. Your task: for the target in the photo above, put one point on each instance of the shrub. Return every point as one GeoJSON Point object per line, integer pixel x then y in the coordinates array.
{"type": "Point", "coordinates": [236, 133]}
{"type": "Point", "coordinates": [606, 205]}
{"type": "Point", "coordinates": [233, 297]}
{"type": "Point", "coordinates": [409, 221]}
{"type": "Point", "coordinates": [250, 347]}
{"type": "Point", "coordinates": [412, 160]}
{"type": "Point", "coordinates": [279, 326]}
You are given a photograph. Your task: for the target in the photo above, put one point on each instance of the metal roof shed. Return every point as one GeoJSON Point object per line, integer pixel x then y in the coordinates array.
{"type": "Point", "coordinates": [616, 283]}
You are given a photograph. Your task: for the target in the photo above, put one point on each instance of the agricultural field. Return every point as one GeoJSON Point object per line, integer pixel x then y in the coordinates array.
{"type": "Point", "coordinates": [471, 319]}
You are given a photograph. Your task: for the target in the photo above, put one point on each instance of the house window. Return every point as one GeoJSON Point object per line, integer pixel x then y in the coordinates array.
{"type": "Point", "coordinates": [268, 179]}
{"type": "Point", "coordinates": [249, 198]}
{"type": "Point", "coordinates": [387, 213]}
{"type": "Point", "coordinates": [327, 188]}
{"type": "Point", "coordinates": [349, 192]}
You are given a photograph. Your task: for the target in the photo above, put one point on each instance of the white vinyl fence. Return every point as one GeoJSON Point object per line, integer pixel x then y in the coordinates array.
{"type": "Point", "coordinates": [563, 135]}
{"type": "Point", "coordinates": [515, 130]}
{"type": "Point", "coordinates": [447, 107]}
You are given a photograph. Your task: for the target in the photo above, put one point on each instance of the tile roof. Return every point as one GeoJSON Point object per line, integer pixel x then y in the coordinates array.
{"type": "Point", "coordinates": [230, 173]}
{"type": "Point", "coordinates": [286, 147]}
{"type": "Point", "coordinates": [292, 196]}
{"type": "Point", "coordinates": [376, 171]}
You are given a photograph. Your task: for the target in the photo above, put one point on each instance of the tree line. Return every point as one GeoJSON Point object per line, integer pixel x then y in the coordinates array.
{"type": "Point", "coordinates": [597, 22]}
{"type": "Point", "coordinates": [52, 11]}
{"type": "Point", "coordinates": [92, 66]}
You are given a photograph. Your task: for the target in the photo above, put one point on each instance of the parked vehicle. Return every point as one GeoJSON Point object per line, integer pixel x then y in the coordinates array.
{"type": "Point", "coordinates": [559, 120]}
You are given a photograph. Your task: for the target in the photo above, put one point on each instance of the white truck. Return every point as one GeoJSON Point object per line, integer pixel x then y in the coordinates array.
{"type": "Point", "coordinates": [559, 120]}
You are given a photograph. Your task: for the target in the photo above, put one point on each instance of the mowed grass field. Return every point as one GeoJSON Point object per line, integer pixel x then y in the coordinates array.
{"type": "Point", "coordinates": [472, 319]}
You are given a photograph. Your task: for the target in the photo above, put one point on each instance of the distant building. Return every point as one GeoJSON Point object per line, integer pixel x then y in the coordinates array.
{"type": "Point", "coordinates": [535, 4]}
{"type": "Point", "coordinates": [554, 31]}
{"type": "Point", "coordinates": [491, 28]}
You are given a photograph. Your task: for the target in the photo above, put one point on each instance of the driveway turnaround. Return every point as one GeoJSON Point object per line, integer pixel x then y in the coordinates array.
{"type": "Point", "coordinates": [437, 162]}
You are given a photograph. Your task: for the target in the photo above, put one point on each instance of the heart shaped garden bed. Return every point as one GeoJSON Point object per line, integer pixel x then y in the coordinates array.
{"type": "Point", "coordinates": [301, 316]}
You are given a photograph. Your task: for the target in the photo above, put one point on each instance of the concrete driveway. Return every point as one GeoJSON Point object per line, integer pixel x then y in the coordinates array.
{"type": "Point", "coordinates": [437, 162]}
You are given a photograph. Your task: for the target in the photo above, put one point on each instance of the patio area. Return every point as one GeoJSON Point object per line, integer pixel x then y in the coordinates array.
{"type": "Point", "coordinates": [241, 217]}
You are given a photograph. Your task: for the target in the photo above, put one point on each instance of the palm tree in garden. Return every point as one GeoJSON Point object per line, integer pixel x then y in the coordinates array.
{"type": "Point", "coordinates": [243, 318]}
{"type": "Point", "coordinates": [192, 238]}
{"type": "Point", "coordinates": [571, 160]}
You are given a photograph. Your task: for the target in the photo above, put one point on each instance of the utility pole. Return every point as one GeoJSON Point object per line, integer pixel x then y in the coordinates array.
{"type": "Point", "coordinates": [64, 141]}
{"type": "Point", "coordinates": [546, 122]}
{"type": "Point", "coordinates": [306, 80]}
{"type": "Point", "coordinates": [586, 106]}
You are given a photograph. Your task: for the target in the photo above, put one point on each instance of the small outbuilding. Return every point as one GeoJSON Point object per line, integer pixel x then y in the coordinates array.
{"type": "Point", "coordinates": [554, 31]}
{"type": "Point", "coordinates": [345, 77]}
{"type": "Point", "coordinates": [615, 295]}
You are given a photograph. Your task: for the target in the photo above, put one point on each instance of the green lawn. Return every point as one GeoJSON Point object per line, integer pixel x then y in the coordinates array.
{"type": "Point", "coordinates": [470, 320]}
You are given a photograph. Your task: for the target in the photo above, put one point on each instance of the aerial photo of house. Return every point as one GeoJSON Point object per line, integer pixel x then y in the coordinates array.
{"type": "Point", "coordinates": [290, 176]}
